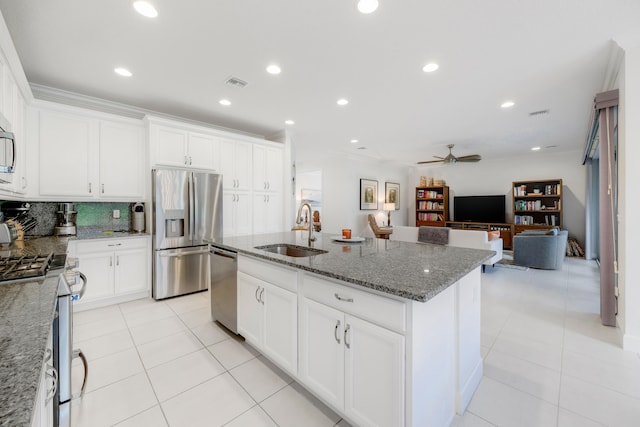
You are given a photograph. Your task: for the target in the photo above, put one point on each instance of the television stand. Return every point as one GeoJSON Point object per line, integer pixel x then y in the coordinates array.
{"type": "Point", "coordinates": [506, 230]}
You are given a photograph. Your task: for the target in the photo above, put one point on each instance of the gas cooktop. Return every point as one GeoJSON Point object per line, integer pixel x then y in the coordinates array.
{"type": "Point", "coordinates": [26, 267]}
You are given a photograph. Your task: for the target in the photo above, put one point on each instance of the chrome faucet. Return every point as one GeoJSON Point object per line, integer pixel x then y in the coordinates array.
{"type": "Point", "coordinates": [312, 238]}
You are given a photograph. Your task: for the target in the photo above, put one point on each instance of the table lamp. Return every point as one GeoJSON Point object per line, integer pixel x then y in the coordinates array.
{"type": "Point", "coordinates": [389, 207]}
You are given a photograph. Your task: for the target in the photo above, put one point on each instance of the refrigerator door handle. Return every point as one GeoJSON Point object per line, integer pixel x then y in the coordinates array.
{"type": "Point", "coordinates": [192, 207]}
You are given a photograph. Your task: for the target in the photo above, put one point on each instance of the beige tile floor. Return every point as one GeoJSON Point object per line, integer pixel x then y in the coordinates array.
{"type": "Point", "coordinates": [547, 362]}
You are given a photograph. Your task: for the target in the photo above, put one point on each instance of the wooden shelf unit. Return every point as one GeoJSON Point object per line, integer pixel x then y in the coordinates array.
{"type": "Point", "coordinates": [537, 210]}
{"type": "Point", "coordinates": [506, 230]}
{"type": "Point", "coordinates": [432, 206]}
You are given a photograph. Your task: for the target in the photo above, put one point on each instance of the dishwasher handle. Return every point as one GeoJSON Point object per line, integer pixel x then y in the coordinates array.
{"type": "Point", "coordinates": [224, 253]}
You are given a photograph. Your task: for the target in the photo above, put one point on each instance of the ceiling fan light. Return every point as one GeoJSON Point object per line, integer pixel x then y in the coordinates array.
{"type": "Point", "coordinates": [367, 6]}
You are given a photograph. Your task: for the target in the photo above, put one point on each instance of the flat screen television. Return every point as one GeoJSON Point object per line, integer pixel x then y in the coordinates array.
{"type": "Point", "coordinates": [479, 208]}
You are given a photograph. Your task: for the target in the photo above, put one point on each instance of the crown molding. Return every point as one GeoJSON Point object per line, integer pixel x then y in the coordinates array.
{"type": "Point", "coordinates": [59, 96]}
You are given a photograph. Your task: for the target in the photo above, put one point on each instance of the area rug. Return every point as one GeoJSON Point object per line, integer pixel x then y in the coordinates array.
{"type": "Point", "coordinates": [508, 263]}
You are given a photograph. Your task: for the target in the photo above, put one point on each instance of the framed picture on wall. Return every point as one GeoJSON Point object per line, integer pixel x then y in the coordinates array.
{"type": "Point", "coordinates": [392, 193]}
{"type": "Point", "coordinates": [368, 194]}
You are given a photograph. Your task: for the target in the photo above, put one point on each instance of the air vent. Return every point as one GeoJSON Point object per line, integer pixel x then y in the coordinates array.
{"type": "Point", "coordinates": [361, 148]}
{"type": "Point", "coordinates": [538, 113]}
{"type": "Point", "coordinates": [236, 82]}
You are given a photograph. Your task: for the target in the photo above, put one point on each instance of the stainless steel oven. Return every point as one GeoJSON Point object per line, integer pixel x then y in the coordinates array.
{"type": "Point", "coordinates": [63, 352]}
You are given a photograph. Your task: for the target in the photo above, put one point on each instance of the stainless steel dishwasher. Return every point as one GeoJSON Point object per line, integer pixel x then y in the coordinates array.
{"type": "Point", "coordinates": [224, 298]}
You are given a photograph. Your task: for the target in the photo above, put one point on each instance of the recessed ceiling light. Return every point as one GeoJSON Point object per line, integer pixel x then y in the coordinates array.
{"type": "Point", "coordinates": [367, 6]}
{"type": "Point", "coordinates": [343, 101]}
{"type": "Point", "coordinates": [123, 72]}
{"type": "Point", "coordinates": [354, 141]}
{"type": "Point", "coordinates": [289, 122]}
{"type": "Point", "coordinates": [535, 148]}
{"type": "Point", "coordinates": [430, 67]}
{"type": "Point", "coordinates": [273, 69]}
{"type": "Point", "coordinates": [507, 104]}
{"type": "Point", "coordinates": [225, 102]}
{"type": "Point", "coordinates": [145, 8]}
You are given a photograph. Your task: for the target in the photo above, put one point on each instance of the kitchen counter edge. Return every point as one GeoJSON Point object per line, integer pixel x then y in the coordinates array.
{"type": "Point", "coordinates": [392, 267]}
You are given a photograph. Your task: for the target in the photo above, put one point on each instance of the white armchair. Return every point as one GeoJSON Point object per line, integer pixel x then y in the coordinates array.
{"type": "Point", "coordinates": [476, 239]}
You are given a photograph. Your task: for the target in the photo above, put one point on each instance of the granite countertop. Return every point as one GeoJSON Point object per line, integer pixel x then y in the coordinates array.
{"type": "Point", "coordinates": [415, 271]}
{"type": "Point", "coordinates": [88, 233]}
{"type": "Point", "coordinates": [26, 315]}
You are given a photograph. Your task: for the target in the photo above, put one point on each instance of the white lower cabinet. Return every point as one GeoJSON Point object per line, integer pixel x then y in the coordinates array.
{"type": "Point", "coordinates": [117, 270]}
{"type": "Point", "coordinates": [43, 406]}
{"type": "Point", "coordinates": [352, 364]}
{"type": "Point", "coordinates": [375, 359]}
{"type": "Point", "coordinates": [268, 319]}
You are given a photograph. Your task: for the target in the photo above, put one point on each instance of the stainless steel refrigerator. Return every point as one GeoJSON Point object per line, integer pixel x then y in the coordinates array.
{"type": "Point", "coordinates": [187, 215]}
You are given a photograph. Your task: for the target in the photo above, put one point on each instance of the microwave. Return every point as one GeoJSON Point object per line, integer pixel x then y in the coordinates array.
{"type": "Point", "coordinates": [7, 156]}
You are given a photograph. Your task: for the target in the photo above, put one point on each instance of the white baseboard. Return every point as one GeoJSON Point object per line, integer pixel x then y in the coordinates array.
{"type": "Point", "coordinates": [104, 302]}
{"type": "Point", "coordinates": [631, 343]}
{"type": "Point", "coordinates": [464, 396]}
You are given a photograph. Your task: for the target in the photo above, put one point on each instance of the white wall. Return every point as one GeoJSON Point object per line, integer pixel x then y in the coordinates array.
{"type": "Point", "coordinates": [341, 191]}
{"type": "Point", "coordinates": [629, 202]}
{"type": "Point", "coordinates": [494, 176]}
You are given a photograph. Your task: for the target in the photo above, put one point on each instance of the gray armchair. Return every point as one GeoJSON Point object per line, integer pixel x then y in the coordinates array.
{"type": "Point", "coordinates": [539, 249]}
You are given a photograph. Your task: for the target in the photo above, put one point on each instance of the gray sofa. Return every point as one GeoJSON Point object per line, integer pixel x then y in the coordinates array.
{"type": "Point", "coordinates": [540, 249]}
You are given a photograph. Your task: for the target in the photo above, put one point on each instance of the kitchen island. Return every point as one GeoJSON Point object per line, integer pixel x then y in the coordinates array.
{"type": "Point", "coordinates": [386, 333]}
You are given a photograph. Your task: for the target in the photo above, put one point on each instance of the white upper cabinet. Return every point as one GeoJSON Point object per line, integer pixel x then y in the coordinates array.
{"type": "Point", "coordinates": [235, 164]}
{"type": "Point", "coordinates": [66, 147]}
{"type": "Point", "coordinates": [174, 146]}
{"type": "Point", "coordinates": [12, 109]}
{"type": "Point", "coordinates": [203, 151]}
{"type": "Point", "coordinates": [82, 156]}
{"type": "Point", "coordinates": [170, 145]}
{"type": "Point", "coordinates": [121, 160]}
{"type": "Point", "coordinates": [236, 214]}
{"type": "Point", "coordinates": [267, 213]}
{"type": "Point", "coordinates": [267, 168]}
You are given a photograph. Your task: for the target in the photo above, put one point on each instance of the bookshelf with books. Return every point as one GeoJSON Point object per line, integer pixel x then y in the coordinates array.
{"type": "Point", "coordinates": [537, 204]}
{"type": "Point", "coordinates": [432, 206]}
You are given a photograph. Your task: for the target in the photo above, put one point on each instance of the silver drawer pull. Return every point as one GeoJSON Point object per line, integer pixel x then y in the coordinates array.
{"type": "Point", "coordinates": [339, 298]}
{"type": "Point", "coordinates": [335, 332]}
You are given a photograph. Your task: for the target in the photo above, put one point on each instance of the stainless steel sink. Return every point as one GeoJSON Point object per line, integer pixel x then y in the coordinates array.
{"type": "Point", "coordinates": [291, 250]}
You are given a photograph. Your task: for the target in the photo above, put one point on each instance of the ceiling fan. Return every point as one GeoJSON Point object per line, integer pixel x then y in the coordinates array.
{"type": "Point", "coordinates": [453, 159]}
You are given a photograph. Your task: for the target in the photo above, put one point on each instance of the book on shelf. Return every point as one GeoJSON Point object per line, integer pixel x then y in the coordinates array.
{"type": "Point", "coordinates": [549, 190]}
{"type": "Point", "coordinates": [523, 220]}
{"type": "Point", "coordinates": [428, 216]}
{"type": "Point", "coordinates": [430, 206]}
{"type": "Point", "coordinates": [552, 189]}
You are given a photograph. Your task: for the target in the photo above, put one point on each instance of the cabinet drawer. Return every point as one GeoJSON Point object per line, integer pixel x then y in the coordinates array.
{"type": "Point", "coordinates": [102, 245]}
{"type": "Point", "coordinates": [378, 309]}
{"type": "Point", "coordinates": [280, 276]}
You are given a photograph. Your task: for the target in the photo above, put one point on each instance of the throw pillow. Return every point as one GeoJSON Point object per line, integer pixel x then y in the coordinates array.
{"type": "Point", "coordinates": [493, 235]}
{"type": "Point", "coordinates": [533, 233]}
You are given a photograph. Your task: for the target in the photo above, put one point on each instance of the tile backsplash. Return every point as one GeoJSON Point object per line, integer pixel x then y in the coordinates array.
{"type": "Point", "coordinates": [94, 215]}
